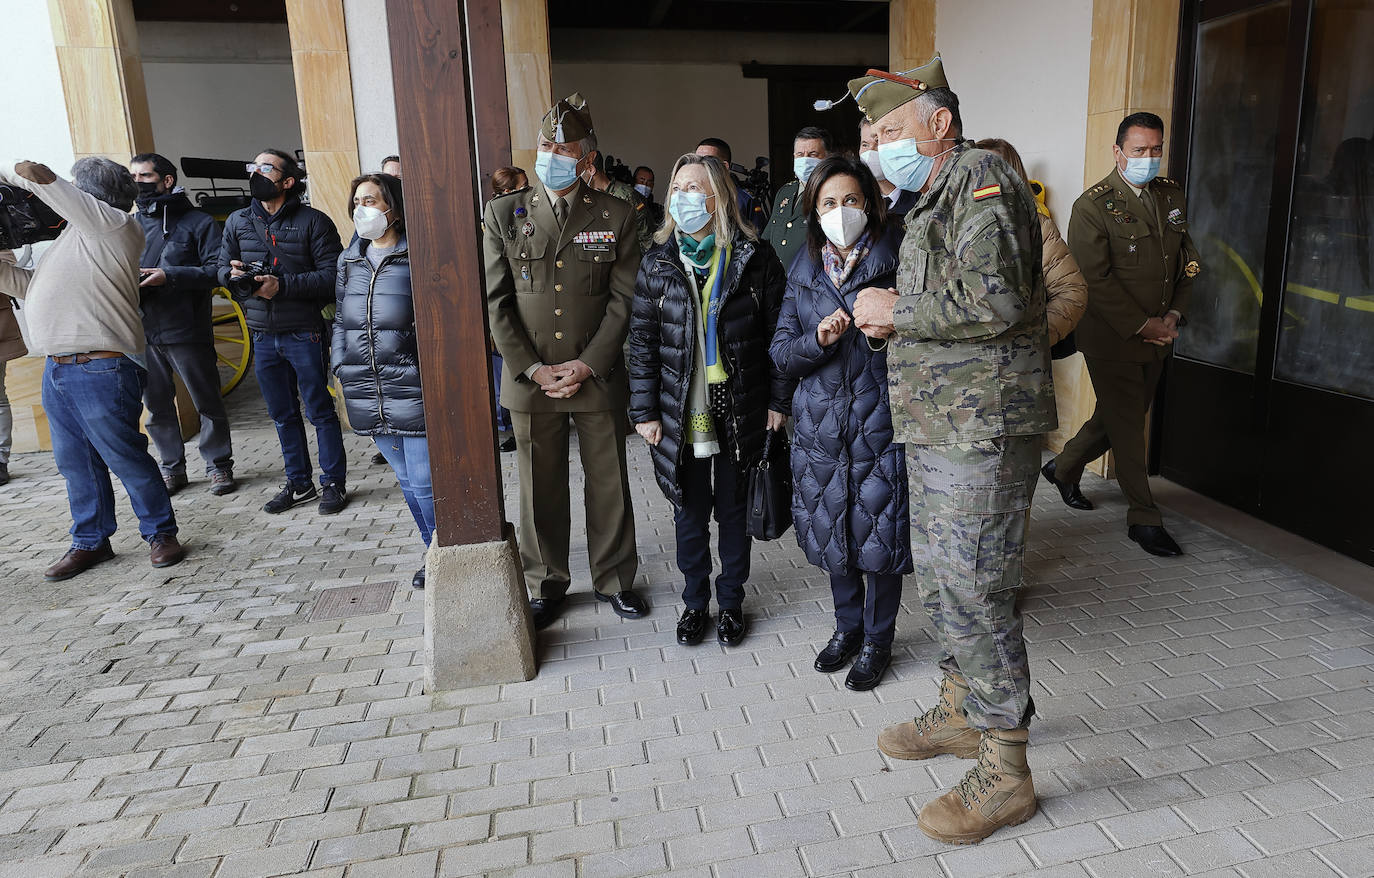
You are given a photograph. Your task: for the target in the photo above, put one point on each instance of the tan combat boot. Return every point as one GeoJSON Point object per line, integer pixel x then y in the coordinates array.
{"type": "Point", "coordinates": [996, 792]}
{"type": "Point", "coordinates": [942, 729]}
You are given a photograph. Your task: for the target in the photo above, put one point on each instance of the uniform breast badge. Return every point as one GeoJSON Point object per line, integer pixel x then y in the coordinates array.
{"type": "Point", "coordinates": [524, 272]}
{"type": "Point", "coordinates": [519, 212]}
{"type": "Point", "coordinates": [527, 229]}
{"type": "Point", "coordinates": [1192, 269]}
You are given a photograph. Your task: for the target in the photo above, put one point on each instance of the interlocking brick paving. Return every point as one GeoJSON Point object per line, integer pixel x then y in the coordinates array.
{"type": "Point", "coordinates": [1207, 714]}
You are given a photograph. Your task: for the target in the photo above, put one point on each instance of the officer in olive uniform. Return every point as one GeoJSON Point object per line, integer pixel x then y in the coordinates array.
{"type": "Point", "coordinates": [1132, 244]}
{"type": "Point", "coordinates": [561, 260]}
{"type": "Point", "coordinates": [786, 229]}
{"type": "Point", "coordinates": [971, 391]}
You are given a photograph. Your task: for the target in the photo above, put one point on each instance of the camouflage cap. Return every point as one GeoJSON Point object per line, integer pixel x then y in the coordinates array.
{"type": "Point", "coordinates": [880, 92]}
{"type": "Point", "coordinates": [567, 121]}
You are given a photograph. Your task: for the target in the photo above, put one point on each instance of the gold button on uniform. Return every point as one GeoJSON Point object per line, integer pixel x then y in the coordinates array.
{"type": "Point", "coordinates": [784, 242]}
{"type": "Point", "coordinates": [558, 335]}
{"type": "Point", "coordinates": [558, 288]}
{"type": "Point", "coordinates": [596, 259]}
{"type": "Point", "coordinates": [789, 225]}
{"type": "Point", "coordinates": [559, 263]}
{"type": "Point", "coordinates": [558, 312]}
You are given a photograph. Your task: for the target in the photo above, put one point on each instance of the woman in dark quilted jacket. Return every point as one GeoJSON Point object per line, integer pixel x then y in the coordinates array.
{"type": "Point", "coordinates": [849, 498]}
{"type": "Point", "coordinates": [703, 390]}
{"type": "Point", "coordinates": [374, 351]}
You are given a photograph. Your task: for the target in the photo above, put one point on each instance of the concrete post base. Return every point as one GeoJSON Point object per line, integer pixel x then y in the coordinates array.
{"type": "Point", "coordinates": [477, 616]}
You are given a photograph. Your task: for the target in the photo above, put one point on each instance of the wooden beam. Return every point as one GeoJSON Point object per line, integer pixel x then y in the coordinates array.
{"type": "Point", "coordinates": [487, 66]}
{"type": "Point", "coordinates": [434, 122]}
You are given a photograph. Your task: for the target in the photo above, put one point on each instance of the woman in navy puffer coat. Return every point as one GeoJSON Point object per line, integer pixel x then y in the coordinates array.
{"type": "Point", "coordinates": [850, 490]}
{"type": "Point", "coordinates": [374, 354]}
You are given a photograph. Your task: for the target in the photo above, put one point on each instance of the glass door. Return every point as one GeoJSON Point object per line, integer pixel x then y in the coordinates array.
{"type": "Point", "coordinates": [1269, 400]}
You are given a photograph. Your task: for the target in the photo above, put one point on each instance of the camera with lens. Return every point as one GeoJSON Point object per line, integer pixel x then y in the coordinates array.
{"type": "Point", "coordinates": [25, 219]}
{"type": "Point", "coordinates": [618, 170]}
{"type": "Point", "coordinates": [247, 283]}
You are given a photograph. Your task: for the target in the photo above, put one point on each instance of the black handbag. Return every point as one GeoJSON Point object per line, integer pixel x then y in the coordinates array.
{"type": "Point", "coordinates": [770, 489]}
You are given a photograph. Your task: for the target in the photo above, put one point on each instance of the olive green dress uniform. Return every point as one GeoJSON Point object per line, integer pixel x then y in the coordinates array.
{"type": "Point", "coordinates": [1139, 262]}
{"type": "Point", "coordinates": [557, 293]}
{"type": "Point", "coordinates": [786, 229]}
{"type": "Point", "coordinates": [971, 391]}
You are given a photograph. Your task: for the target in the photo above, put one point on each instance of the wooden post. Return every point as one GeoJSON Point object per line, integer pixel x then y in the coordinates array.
{"type": "Point", "coordinates": [477, 619]}
{"type": "Point", "coordinates": [434, 123]}
{"type": "Point", "coordinates": [487, 64]}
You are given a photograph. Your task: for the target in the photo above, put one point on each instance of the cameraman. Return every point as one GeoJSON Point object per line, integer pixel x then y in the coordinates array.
{"type": "Point", "coordinates": [177, 279]}
{"type": "Point", "coordinates": [749, 208]}
{"type": "Point", "coordinates": [293, 251]}
{"type": "Point", "coordinates": [81, 306]}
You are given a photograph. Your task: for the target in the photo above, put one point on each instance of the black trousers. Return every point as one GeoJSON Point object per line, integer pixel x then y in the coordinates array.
{"type": "Point", "coordinates": [873, 610]}
{"type": "Point", "coordinates": [709, 484]}
{"type": "Point", "coordinates": [196, 365]}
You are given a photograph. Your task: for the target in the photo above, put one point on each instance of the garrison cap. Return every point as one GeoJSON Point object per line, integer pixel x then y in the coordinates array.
{"type": "Point", "coordinates": [880, 92]}
{"type": "Point", "coordinates": [567, 121]}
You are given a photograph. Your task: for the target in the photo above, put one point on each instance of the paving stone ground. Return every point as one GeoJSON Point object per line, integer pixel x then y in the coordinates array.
{"type": "Point", "coordinates": [1212, 714]}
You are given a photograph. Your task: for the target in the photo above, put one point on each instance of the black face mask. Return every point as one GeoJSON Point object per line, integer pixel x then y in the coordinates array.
{"type": "Point", "coordinates": [262, 188]}
{"type": "Point", "coordinates": [146, 190]}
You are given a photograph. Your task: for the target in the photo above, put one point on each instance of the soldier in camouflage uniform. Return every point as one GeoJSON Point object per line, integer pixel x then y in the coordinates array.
{"type": "Point", "coordinates": [971, 392]}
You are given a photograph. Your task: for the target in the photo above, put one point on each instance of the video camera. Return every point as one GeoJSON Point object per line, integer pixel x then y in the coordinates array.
{"type": "Point", "coordinates": [618, 170]}
{"type": "Point", "coordinates": [25, 219]}
{"type": "Point", "coordinates": [755, 181]}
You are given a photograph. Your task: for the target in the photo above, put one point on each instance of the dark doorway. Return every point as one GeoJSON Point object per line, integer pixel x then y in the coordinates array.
{"type": "Point", "coordinates": [1270, 399]}
{"type": "Point", "coordinates": [792, 94]}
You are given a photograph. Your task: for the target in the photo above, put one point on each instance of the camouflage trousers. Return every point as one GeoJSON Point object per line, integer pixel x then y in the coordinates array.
{"type": "Point", "coordinates": [969, 505]}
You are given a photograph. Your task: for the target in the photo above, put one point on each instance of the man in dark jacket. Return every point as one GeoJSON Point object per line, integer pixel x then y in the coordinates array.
{"type": "Point", "coordinates": [299, 249]}
{"type": "Point", "coordinates": [177, 276]}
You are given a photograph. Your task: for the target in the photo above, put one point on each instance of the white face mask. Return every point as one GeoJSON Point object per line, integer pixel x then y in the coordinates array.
{"type": "Point", "coordinates": [843, 225]}
{"type": "Point", "coordinates": [870, 157]}
{"type": "Point", "coordinates": [370, 222]}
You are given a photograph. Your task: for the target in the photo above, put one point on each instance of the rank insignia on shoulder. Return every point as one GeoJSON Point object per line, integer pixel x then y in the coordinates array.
{"type": "Point", "coordinates": [1192, 269]}
{"type": "Point", "coordinates": [594, 238]}
{"type": "Point", "coordinates": [639, 206]}
{"type": "Point", "coordinates": [782, 205]}
{"type": "Point", "coordinates": [987, 191]}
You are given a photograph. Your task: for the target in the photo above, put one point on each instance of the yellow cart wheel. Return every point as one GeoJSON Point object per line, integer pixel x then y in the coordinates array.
{"type": "Point", "coordinates": [233, 344]}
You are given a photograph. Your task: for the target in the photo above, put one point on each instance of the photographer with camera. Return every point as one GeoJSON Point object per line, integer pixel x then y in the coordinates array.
{"type": "Point", "coordinates": [749, 208]}
{"type": "Point", "coordinates": [177, 279]}
{"type": "Point", "coordinates": [279, 261]}
{"type": "Point", "coordinates": [81, 307]}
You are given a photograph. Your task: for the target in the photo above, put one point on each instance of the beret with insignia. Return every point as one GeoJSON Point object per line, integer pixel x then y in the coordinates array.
{"type": "Point", "coordinates": [567, 121]}
{"type": "Point", "coordinates": [880, 92]}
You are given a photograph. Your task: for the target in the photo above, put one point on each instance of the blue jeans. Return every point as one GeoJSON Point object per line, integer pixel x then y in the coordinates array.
{"type": "Point", "coordinates": [93, 410]}
{"type": "Point", "coordinates": [409, 457]}
{"type": "Point", "coordinates": [291, 367]}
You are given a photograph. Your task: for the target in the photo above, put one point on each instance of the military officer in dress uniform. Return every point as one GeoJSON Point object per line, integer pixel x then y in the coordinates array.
{"type": "Point", "coordinates": [971, 391]}
{"type": "Point", "coordinates": [786, 229]}
{"type": "Point", "coordinates": [1129, 234]}
{"type": "Point", "coordinates": [561, 260]}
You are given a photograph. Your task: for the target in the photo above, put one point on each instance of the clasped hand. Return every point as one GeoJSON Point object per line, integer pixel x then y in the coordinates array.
{"type": "Point", "coordinates": [562, 380]}
{"type": "Point", "coordinates": [873, 311]}
{"type": "Point", "coordinates": [1160, 331]}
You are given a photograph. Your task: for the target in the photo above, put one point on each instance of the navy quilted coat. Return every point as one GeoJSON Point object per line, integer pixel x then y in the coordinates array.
{"type": "Point", "coordinates": [849, 498]}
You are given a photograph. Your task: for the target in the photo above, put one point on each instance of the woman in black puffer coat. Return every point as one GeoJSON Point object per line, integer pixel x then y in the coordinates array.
{"type": "Point", "coordinates": [849, 497]}
{"type": "Point", "coordinates": [374, 349]}
{"type": "Point", "coordinates": [703, 390]}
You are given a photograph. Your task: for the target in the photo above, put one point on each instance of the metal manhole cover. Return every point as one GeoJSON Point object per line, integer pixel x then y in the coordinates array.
{"type": "Point", "coordinates": [353, 600]}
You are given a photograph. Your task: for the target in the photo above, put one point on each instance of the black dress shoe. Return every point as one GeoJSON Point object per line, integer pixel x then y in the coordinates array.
{"type": "Point", "coordinates": [626, 604]}
{"type": "Point", "coordinates": [546, 610]}
{"type": "Point", "coordinates": [839, 651]}
{"type": "Point", "coordinates": [508, 444]}
{"type": "Point", "coordinates": [869, 668]}
{"type": "Point", "coordinates": [1154, 539]}
{"type": "Point", "coordinates": [1072, 496]}
{"type": "Point", "coordinates": [731, 627]}
{"type": "Point", "coordinates": [418, 580]}
{"type": "Point", "coordinates": [691, 626]}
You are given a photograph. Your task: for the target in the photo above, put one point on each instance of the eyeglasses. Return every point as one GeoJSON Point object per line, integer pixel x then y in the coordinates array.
{"type": "Point", "coordinates": [265, 168]}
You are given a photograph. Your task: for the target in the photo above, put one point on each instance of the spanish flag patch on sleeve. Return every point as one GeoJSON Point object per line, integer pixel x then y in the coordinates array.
{"type": "Point", "coordinates": [987, 191]}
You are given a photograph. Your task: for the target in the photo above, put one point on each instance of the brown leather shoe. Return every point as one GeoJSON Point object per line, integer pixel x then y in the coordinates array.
{"type": "Point", "coordinates": [942, 729]}
{"type": "Point", "coordinates": [996, 792]}
{"type": "Point", "coordinates": [78, 561]}
{"type": "Point", "coordinates": [164, 550]}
